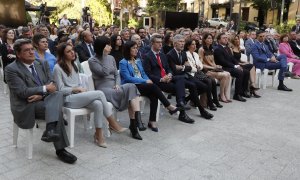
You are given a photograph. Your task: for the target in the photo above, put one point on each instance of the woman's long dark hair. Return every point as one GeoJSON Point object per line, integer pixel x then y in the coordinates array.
{"type": "Point", "coordinates": [61, 59]}
{"type": "Point", "coordinates": [207, 50]}
{"type": "Point", "coordinates": [113, 40]}
{"type": "Point", "coordinates": [126, 49]}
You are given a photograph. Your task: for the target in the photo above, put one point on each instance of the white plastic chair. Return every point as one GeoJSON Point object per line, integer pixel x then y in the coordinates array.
{"type": "Point", "coordinates": [29, 137]}
{"type": "Point", "coordinates": [262, 76]}
{"type": "Point", "coordinates": [5, 87]}
{"type": "Point", "coordinates": [290, 66]}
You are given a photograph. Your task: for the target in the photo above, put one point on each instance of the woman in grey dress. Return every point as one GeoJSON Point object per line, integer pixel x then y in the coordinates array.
{"type": "Point", "coordinates": [66, 76]}
{"type": "Point", "coordinates": [107, 79]}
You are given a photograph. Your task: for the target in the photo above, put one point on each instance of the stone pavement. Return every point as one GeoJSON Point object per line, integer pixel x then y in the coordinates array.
{"type": "Point", "coordinates": [259, 139]}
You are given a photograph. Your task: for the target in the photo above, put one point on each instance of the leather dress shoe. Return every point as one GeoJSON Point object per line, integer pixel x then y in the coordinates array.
{"type": "Point", "coordinates": [246, 95]}
{"type": "Point", "coordinates": [155, 129]}
{"type": "Point", "coordinates": [284, 88]}
{"type": "Point", "coordinates": [184, 106]}
{"type": "Point", "coordinates": [206, 114]}
{"type": "Point", "coordinates": [239, 98]}
{"type": "Point", "coordinates": [185, 118]}
{"type": "Point", "coordinates": [50, 136]}
{"type": "Point", "coordinates": [65, 156]}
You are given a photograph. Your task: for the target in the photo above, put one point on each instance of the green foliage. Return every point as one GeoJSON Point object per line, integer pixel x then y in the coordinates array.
{"type": "Point", "coordinates": [161, 5]}
{"type": "Point", "coordinates": [132, 23]}
{"type": "Point", "coordinates": [284, 28]}
{"type": "Point", "coordinates": [28, 17]}
{"type": "Point", "coordinates": [100, 9]}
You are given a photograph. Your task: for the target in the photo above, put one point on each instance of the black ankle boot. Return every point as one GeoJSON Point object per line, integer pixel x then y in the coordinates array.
{"type": "Point", "coordinates": [139, 121]}
{"type": "Point", "coordinates": [134, 131]}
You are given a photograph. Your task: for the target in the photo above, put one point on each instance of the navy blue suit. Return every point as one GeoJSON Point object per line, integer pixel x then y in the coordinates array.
{"type": "Point", "coordinates": [152, 69]}
{"type": "Point", "coordinates": [227, 61]}
{"type": "Point", "coordinates": [261, 56]}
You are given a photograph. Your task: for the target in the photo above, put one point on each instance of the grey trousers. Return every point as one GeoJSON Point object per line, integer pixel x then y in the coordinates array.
{"type": "Point", "coordinates": [93, 100]}
{"type": "Point", "coordinates": [51, 110]}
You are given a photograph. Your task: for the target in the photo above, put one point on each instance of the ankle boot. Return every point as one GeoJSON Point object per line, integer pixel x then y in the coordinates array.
{"type": "Point", "coordinates": [133, 129]}
{"type": "Point", "coordinates": [139, 121]}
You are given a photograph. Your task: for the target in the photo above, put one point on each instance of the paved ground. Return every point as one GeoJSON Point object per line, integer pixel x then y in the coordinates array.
{"type": "Point", "coordinates": [259, 139]}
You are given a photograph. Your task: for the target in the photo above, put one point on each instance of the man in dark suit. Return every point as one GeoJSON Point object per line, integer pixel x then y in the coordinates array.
{"type": "Point", "coordinates": [85, 48]}
{"type": "Point", "coordinates": [296, 27]}
{"type": "Point", "coordinates": [33, 95]}
{"type": "Point", "coordinates": [263, 58]}
{"type": "Point", "coordinates": [157, 68]}
{"type": "Point", "coordinates": [178, 62]}
{"type": "Point", "coordinates": [295, 45]}
{"type": "Point", "coordinates": [231, 26]}
{"type": "Point", "coordinates": [223, 56]}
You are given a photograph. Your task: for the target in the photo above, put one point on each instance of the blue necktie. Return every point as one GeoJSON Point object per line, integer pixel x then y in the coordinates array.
{"type": "Point", "coordinates": [35, 75]}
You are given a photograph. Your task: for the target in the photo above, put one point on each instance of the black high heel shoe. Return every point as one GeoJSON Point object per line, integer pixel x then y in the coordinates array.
{"type": "Point", "coordinates": [253, 93]}
{"type": "Point", "coordinates": [212, 107]}
{"type": "Point", "coordinates": [155, 129]}
{"type": "Point", "coordinates": [176, 109]}
{"type": "Point", "coordinates": [217, 103]}
{"type": "Point", "coordinates": [252, 88]}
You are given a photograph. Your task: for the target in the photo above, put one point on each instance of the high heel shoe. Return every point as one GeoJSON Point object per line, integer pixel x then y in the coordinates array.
{"type": "Point", "coordinates": [175, 110]}
{"type": "Point", "coordinates": [224, 101]}
{"type": "Point", "coordinates": [252, 88]}
{"type": "Point", "coordinates": [118, 131]}
{"type": "Point", "coordinates": [155, 129]}
{"type": "Point", "coordinates": [253, 93]}
{"type": "Point", "coordinates": [134, 130]}
{"type": "Point", "coordinates": [103, 144]}
{"type": "Point", "coordinates": [139, 121]}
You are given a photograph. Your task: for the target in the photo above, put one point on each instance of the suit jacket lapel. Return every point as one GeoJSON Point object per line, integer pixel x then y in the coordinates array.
{"type": "Point", "coordinates": [26, 72]}
{"type": "Point", "coordinates": [154, 57]}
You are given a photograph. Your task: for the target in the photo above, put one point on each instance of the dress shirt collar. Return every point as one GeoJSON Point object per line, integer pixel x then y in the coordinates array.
{"type": "Point", "coordinates": [28, 66]}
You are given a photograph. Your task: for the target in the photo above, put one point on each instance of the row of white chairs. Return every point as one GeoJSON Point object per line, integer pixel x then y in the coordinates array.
{"type": "Point", "coordinates": [70, 115]}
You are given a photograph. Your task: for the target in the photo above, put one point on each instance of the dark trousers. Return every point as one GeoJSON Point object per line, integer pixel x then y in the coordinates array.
{"type": "Point", "coordinates": [211, 89]}
{"type": "Point", "coordinates": [50, 109]}
{"type": "Point", "coordinates": [242, 79]}
{"type": "Point", "coordinates": [176, 86]}
{"type": "Point", "coordinates": [195, 88]}
{"type": "Point", "coordinates": [153, 92]}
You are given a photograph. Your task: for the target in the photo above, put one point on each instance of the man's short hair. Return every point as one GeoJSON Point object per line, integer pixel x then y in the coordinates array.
{"type": "Point", "coordinates": [177, 37]}
{"type": "Point", "coordinates": [259, 32]}
{"type": "Point", "coordinates": [154, 37]}
{"type": "Point", "coordinates": [220, 35]}
{"type": "Point", "coordinates": [25, 29]}
{"type": "Point", "coordinates": [20, 42]}
{"type": "Point", "coordinates": [133, 37]}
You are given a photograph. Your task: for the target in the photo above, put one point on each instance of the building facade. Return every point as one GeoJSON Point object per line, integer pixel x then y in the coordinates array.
{"type": "Point", "coordinates": [221, 9]}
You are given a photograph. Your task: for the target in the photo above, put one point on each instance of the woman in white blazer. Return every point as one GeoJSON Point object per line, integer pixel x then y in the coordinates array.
{"type": "Point", "coordinates": [197, 67]}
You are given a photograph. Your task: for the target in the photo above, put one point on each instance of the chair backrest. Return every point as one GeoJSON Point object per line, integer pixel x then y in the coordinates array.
{"type": "Point", "coordinates": [244, 58]}
{"type": "Point", "coordinates": [87, 71]}
{"type": "Point", "coordinates": [86, 68]}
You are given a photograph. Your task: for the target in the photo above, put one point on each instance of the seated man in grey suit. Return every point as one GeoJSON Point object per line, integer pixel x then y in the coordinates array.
{"type": "Point", "coordinates": [33, 95]}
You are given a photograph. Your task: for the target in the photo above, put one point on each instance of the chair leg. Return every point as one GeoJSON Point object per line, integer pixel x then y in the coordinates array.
{"type": "Point", "coordinates": [71, 121]}
{"type": "Point", "coordinates": [265, 77]}
{"type": "Point", "coordinates": [29, 143]}
{"type": "Point", "coordinates": [15, 134]}
{"type": "Point", "coordinates": [158, 111]}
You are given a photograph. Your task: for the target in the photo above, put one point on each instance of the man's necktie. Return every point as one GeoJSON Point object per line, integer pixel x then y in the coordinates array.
{"type": "Point", "coordinates": [91, 50]}
{"type": "Point", "coordinates": [35, 75]}
{"type": "Point", "coordinates": [228, 50]}
{"type": "Point", "coordinates": [180, 57]}
{"type": "Point", "coordinates": [162, 70]}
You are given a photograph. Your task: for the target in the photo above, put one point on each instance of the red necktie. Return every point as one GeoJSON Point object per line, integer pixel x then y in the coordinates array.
{"type": "Point", "coordinates": [162, 70]}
